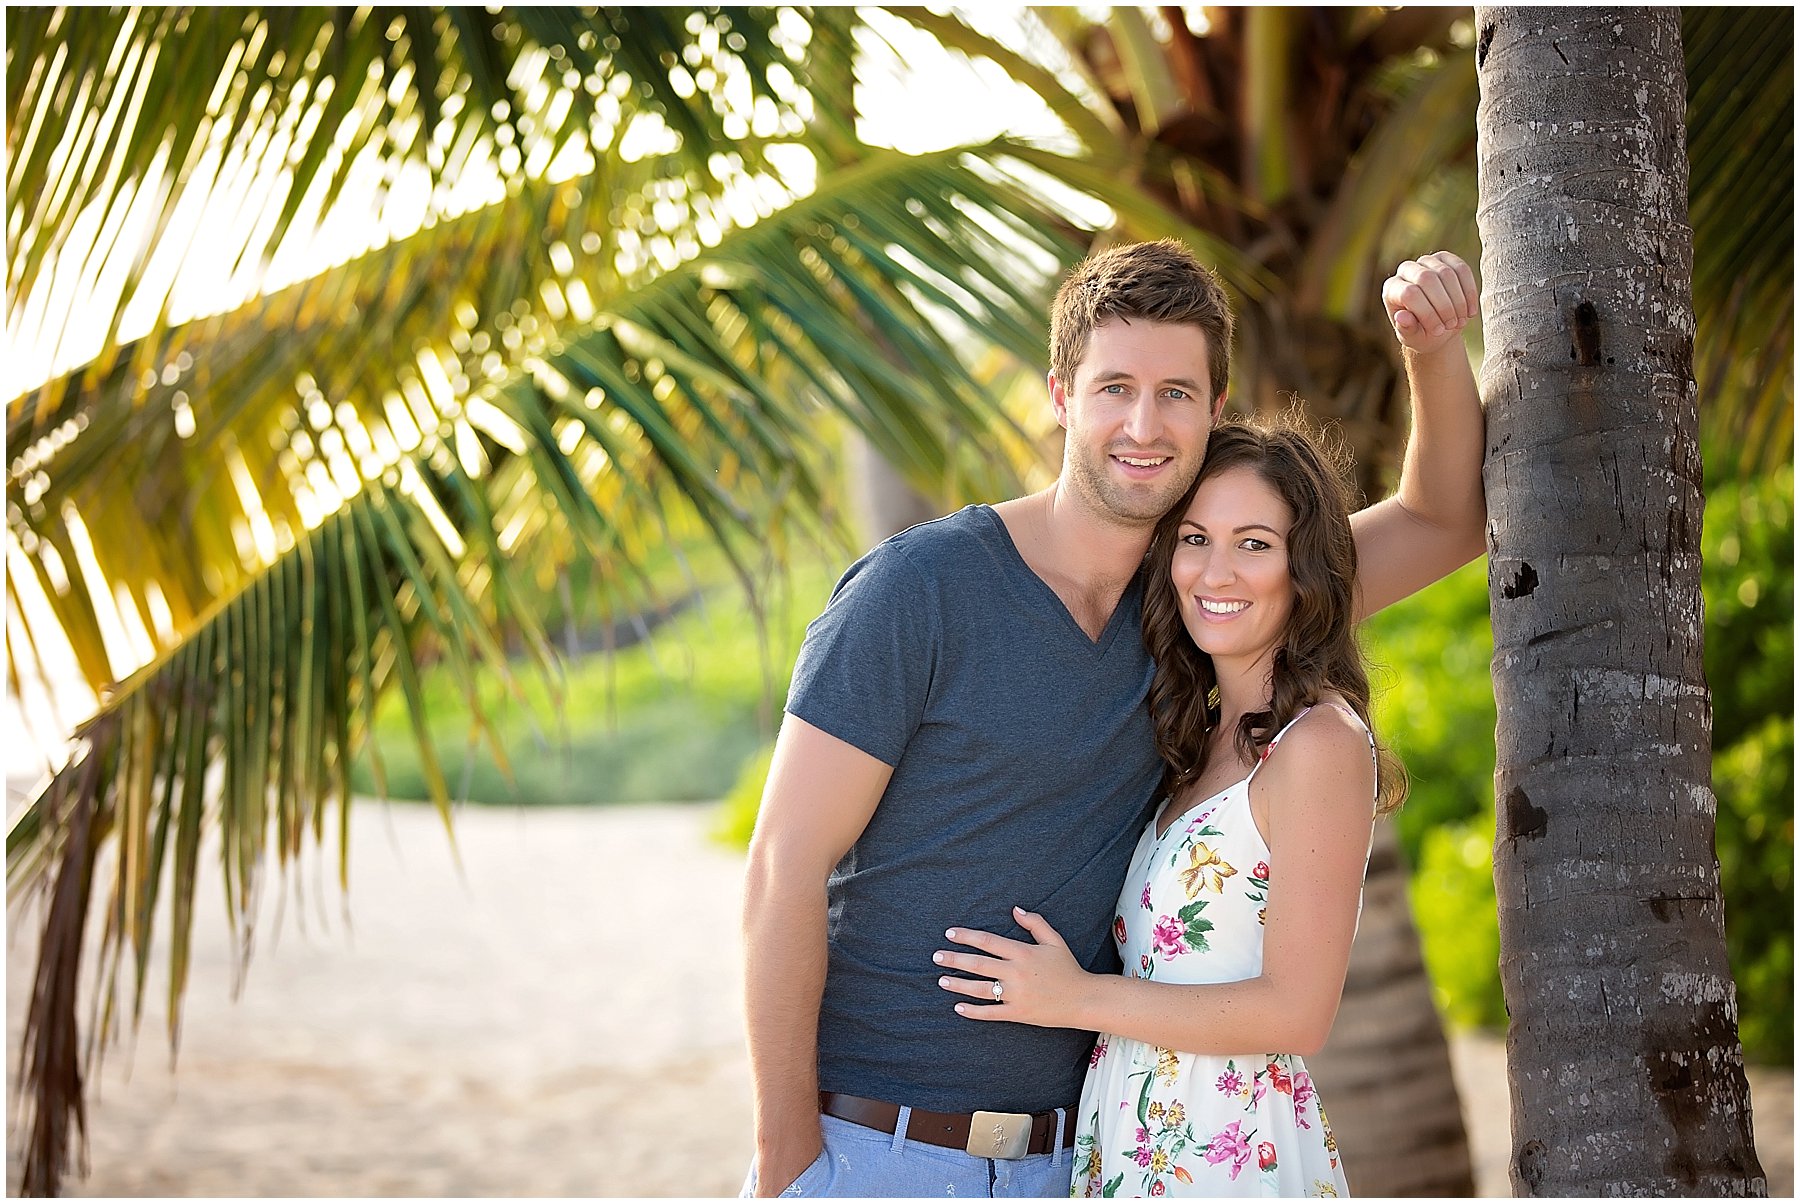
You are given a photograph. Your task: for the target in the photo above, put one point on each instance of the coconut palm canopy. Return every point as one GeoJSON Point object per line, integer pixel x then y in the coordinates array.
{"type": "Point", "coordinates": [508, 291]}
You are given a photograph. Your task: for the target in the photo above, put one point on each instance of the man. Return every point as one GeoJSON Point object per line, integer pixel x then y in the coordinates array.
{"type": "Point", "coordinates": [967, 731]}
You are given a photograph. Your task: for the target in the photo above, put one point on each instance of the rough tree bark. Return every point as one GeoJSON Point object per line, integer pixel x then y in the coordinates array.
{"type": "Point", "coordinates": [882, 502]}
{"type": "Point", "coordinates": [1627, 1074]}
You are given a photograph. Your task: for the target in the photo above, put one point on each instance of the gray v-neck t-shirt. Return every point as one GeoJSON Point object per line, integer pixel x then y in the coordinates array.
{"type": "Point", "coordinates": [1024, 772]}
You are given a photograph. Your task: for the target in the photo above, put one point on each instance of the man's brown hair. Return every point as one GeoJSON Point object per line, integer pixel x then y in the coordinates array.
{"type": "Point", "coordinates": [1157, 281]}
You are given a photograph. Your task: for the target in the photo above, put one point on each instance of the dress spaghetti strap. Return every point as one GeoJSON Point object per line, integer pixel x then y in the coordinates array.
{"type": "Point", "coordinates": [1270, 747]}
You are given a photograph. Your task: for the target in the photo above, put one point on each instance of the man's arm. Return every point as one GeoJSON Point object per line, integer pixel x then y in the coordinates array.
{"type": "Point", "coordinates": [819, 797]}
{"type": "Point", "coordinates": [1436, 521]}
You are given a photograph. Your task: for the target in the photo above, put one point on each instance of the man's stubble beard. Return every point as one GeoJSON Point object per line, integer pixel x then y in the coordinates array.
{"type": "Point", "coordinates": [1120, 505]}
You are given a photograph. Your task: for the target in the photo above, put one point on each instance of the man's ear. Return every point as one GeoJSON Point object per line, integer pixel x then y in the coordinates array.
{"type": "Point", "coordinates": [1059, 400]}
{"type": "Point", "coordinates": [1219, 406]}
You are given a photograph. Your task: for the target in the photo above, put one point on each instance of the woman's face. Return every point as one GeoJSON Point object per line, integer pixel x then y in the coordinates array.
{"type": "Point", "coordinates": [1230, 567]}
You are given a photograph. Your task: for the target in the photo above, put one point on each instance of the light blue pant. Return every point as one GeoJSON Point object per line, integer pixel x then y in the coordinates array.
{"type": "Point", "coordinates": [864, 1163]}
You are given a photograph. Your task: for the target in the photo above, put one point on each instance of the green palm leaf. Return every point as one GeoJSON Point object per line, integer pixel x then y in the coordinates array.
{"type": "Point", "coordinates": [107, 106]}
{"type": "Point", "coordinates": [366, 354]}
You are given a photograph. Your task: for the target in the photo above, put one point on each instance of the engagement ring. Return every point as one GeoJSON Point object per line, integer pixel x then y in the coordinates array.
{"type": "Point", "coordinates": [996, 989]}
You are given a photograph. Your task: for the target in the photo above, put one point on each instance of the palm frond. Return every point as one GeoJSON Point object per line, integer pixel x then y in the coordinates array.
{"type": "Point", "coordinates": [1431, 128]}
{"type": "Point", "coordinates": [246, 426]}
{"type": "Point", "coordinates": [1740, 67]}
{"type": "Point", "coordinates": [248, 729]}
{"type": "Point", "coordinates": [1117, 166]}
{"type": "Point", "coordinates": [131, 131]}
{"type": "Point", "coordinates": [1267, 172]}
{"type": "Point", "coordinates": [1087, 117]}
{"type": "Point", "coordinates": [1148, 76]}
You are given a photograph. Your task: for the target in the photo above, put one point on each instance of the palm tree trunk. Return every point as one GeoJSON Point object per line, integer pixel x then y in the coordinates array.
{"type": "Point", "coordinates": [882, 502]}
{"type": "Point", "coordinates": [1627, 1074]}
{"type": "Point", "coordinates": [1385, 1075]}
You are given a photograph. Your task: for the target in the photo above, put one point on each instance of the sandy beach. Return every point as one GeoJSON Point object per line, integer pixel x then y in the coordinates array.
{"type": "Point", "coordinates": [560, 1016]}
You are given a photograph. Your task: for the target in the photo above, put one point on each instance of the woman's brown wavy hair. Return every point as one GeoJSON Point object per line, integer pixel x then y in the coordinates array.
{"type": "Point", "coordinates": [1318, 650]}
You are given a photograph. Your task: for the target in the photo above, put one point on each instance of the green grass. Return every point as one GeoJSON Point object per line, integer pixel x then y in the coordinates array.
{"type": "Point", "coordinates": [672, 718]}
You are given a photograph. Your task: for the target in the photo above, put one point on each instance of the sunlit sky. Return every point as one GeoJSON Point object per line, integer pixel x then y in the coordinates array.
{"type": "Point", "coordinates": [913, 96]}
{"type": "Point", "coordinates": [920, 98]}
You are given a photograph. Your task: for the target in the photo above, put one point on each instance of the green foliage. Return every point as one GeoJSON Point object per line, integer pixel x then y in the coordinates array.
{"type": "Point", "coordinates": [1754, 781]}
{"type": "Point", "coordinates": [737, 814]}
{"type": "Point", "coordinates": [671, 718]}
{"type": "Point", "coordinates": [1748, 578]}
{"type": "Point", "coordinates": [1459, 926]}
{"type": "Point", "coordinates": [1435, 700]}
{"type": "Point", "coordinates": [1436, 708]}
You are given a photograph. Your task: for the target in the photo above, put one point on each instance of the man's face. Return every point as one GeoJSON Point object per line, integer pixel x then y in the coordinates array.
{"type": "Point", "coordinates": [1137, 417]}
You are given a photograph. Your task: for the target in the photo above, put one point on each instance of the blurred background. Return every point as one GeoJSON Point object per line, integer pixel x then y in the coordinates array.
{"type": "Point", "coordinates": [473, 407]}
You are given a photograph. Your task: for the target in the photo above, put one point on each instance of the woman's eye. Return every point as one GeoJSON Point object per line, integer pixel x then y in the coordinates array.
{"type": "Point", "coordinates": [1194, 540]}
{"type": "Point", "coordinates": [1255, 545]}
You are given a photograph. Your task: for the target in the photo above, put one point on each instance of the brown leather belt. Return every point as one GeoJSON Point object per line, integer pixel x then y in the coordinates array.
{"type": "Point", "coordinates": [983, 1134]}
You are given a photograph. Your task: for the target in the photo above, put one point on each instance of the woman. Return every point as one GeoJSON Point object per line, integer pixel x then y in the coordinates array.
{"type": "Point", "coordinates": [1238, 911]}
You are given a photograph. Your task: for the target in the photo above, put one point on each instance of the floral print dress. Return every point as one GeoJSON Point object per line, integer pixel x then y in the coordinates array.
{"type": "Point", "coordinates": [1154, 1121]}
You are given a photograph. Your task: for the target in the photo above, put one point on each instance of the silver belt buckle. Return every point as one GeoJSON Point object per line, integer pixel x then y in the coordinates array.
{"type": "Point", "coordinates": [999, 1134]}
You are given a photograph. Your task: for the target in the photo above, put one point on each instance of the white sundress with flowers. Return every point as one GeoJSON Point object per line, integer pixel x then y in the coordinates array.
{"type": "Point", "coordinates": [1154, 1121]}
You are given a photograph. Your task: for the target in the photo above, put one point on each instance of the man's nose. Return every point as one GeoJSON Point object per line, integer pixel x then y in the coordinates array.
{"type": "Point", "coordinates": [1143, 421]}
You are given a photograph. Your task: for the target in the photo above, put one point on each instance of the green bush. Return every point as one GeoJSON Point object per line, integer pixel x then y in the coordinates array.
{"type": "Point", "coordinates": [1434, 701]}
{"type": "Point", "coordinates": [1748, 578]}
{"type": "Point", "coordinates": [1754, 781]}
{"type": "Point", "coordinates": [1459, 927]}
{"type": "Point", "coordinates": [737, 813]}
{"type": "Point", "coordinates": [1747, 574]}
